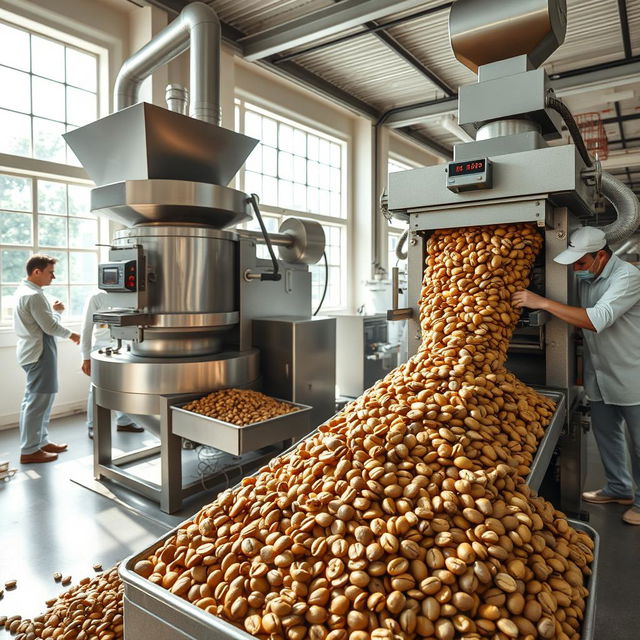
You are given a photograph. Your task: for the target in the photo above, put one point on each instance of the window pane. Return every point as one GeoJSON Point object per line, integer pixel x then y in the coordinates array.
{"type": "Point", "coordinates": [62, 266]}
{"type": "Point", "coordinates": [299, 197]}
{"type": "Point", "coordinates": [79, 297]}
{"type": "Point", "coordinates": [83, 234]}
{"type": "Point", "coordinates": [16, 92]}
{"type": "Point", "coordinates": [14, 47]}
{"type": "Point", "coordinates": [15, 228]}
{"type": "Point", "coordinates": [285, 139]}
{"type": "Point", "coordinates": [253, 182]}
{"type": "Point", "coordinates": [335, 155]}
{"type": "Point", "coordinates": [325, 202]}
{"type": "Point", "coordinates": [47, 58]}
{"type": "Point", "coordinates": [285, 166]}
{"type": "Point", "coordinates": [15, 133]}
{"type": "Point", "coordinates": [269, 132]}
{"type": "Point", "coordinates": [336, 204]}
{"type": "Point", "coordinates": [15, 193]}
{"type": "Point", "coordinates": [7, 303]}
{"type": "Point", "coordinates": [81, 106]}
{"type": "Point", "coordinates": [324, 151]}
{"type": "Point", "coordinates": [313, 171]}
{"type": "Point", "coordinates": [57, 292]}
{"type": "Point", "coordinates": [48, 143]}
{"type": "Point", "coordinates": [324, 176]}
{"type": "Point", "coordinates": [254, 161]}
{"type": "Point", "coordinates": [52, 231]}
{"type": "Point", "coordinates": [48, 99]}
{"type": "Point", "coordinates": [82, 70]}
{"type": "Point", "coordinates": [52, 197]}
{"type": "Point", "coordinates": [13, 265]}
{"type": "Point", "coordinates": [84, 267]}
{"type": "Point", "coordinates": [299, 170]}
{"type": "Point", "coordinates": [313, 200]}
{"type": "Point", "coordinates": [312, 147]}
{"type": "Point", "coordinates": [71, 157]}
{"type": "Point", "coordinates": [269, 190]}
{"type": "Point", "coordinates": [300, 142]}
{"type": "Point", "coordinates": [253, 125]}
{"type": "Point", "coordinates": [335, 180]}
{"type": "Point", "coordinates": [269, 161]}
{"type": "Point", "coordinates": [285, 194]}
{"type": "Point", "coordinates": [79, 200]}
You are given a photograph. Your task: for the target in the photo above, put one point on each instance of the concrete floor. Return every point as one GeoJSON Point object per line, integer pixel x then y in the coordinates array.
{"type": "Point", "coordinates": [50, 523]}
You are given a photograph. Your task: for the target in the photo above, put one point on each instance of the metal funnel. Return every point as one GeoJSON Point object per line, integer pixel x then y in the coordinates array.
{"type": "Point", "coordinates": [146, 142]}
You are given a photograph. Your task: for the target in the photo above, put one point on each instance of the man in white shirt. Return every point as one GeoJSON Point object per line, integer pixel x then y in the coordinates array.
{"type": "Point", "coordinates": [97, 336]}
{"type": "Point", "coordinates": [609, 315]}
{"type": "Point", "coordinates": [36, 326]}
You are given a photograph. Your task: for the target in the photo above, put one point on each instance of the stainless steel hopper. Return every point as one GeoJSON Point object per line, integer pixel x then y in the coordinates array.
{"type": "Point", "coordinates": [169, 153]}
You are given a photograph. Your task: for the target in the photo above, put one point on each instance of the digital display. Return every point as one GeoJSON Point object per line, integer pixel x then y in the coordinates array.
{"type": "Point", "coordinates": [110, 275]}
{"type": "Point", "coordinates": [466, 168]}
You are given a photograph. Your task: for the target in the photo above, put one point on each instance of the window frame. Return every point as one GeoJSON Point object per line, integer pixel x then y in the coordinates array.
{"type": "Point", "coordinates": [102, 231]}
{"type": "Point", "coordinates": [394, 230]}
{"type": "Point", "coordinates": [344, 222]}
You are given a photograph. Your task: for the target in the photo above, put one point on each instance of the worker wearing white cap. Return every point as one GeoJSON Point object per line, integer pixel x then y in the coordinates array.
{"type": "Point", "coordinates": [609, 315]}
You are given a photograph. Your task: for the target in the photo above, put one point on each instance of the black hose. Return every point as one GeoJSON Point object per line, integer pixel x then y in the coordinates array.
{"type": "Point", "coordinates": [265, 276]}
{"type": "Point", "coordinates": [326, 282]}
{"type": "Point", "coordinates": [574, 130]}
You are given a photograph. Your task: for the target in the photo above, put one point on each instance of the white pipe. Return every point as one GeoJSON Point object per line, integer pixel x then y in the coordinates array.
{"type": "Point", "coordinates": [449, 123]}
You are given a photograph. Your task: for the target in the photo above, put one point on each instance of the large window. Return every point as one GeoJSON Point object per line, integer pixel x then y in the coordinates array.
{"type": "Point", "coordinates": [299, 171]}
{"type": "Point", "coordinates": [48, 88]}
{"type": "Point", "coordinates": [52, 217]}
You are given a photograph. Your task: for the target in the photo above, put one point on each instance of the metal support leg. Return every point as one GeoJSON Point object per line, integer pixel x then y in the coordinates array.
{"type": "Point", "coordinates": [571, 468]}
{"type": "Point", "coordinates": [170, 461]}
{"type": "Point", "coordinates": [101, 437]}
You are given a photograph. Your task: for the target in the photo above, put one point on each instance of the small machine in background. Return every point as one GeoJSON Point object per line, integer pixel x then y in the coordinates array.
{"type": "Point", "coordinates": [365, 352]}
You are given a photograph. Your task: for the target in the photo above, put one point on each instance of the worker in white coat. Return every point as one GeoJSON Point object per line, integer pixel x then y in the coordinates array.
{"type": "Point", "coordinates": [97, 336]}
{"type": "Point", "coordinates": [37, 325]}
{"type": "Point", "coordinates": [609, 316]}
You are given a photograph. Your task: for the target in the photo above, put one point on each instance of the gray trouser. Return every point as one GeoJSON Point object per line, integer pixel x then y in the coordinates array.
{"type": "Point", "coordinates": [34, 421]}
{"type": "Point", "coordinates": [121, 418]}
{"type": "Point", "coordinates": [608, 427]}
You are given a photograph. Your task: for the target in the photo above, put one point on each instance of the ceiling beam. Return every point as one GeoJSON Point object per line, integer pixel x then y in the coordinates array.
{"type": "Point", "coordinates": [622, 160]}
{"type": "Point", "coordinates": [319, 24]}
{"type": "Point", "coordinates": [627, 118]}
{"type": "Point", "coordinates": [622, 137]}
{"type": "Point", "coordinates": [364, 32]}
{"type": "Point", "coordinates": [624, 28]}
{"type": "Point", "coordinates": [408, 57]}
{"type": "Point", "coordinates": [435, 147]}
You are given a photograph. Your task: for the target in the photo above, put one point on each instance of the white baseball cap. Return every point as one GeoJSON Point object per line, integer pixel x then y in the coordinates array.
{"type": "Point", "coordinates": [583, 241]}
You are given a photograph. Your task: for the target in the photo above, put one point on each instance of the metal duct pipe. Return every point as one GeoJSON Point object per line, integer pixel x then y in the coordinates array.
{"type": "Point", "coordinates": [627, 247]}
{"type": "Point", "coordinates": [626, 205]}
{"type": "Point", "coordinates": [197, 28]}
{"type": "Point", "coordinates": [177, 98]}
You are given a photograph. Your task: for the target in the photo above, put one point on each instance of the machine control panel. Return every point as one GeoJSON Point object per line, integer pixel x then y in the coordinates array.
{"type": "Point", "coordinates": [119, 276]}
{"type": "Point", "coordinates": [469, 175]}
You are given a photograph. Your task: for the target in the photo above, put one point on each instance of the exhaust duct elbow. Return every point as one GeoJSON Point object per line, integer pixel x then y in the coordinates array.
{"type": "Point", "coordinates": [626, 205]}
{"type": "Point", "coordinates": [197, 28]}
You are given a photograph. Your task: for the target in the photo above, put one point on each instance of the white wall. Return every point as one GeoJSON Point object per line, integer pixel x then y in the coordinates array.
{"type": "Point", "coordinates": [119, 28]}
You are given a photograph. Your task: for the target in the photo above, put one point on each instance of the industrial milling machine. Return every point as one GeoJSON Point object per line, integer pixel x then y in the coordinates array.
{"type": "Point", "coordinates": [192, 308]}
{"type": "Point", "coordinates": [510, 174]}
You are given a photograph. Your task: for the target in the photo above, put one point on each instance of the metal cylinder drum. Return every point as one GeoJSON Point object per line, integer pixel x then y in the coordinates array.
{"type": "Point", "coordinates": [191, 287]}
{"type": "Point", "coordinates": [508, 127]}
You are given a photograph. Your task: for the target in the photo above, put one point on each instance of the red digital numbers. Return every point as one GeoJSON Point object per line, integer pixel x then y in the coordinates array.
{"type": "Point", "coordinates": [469, 167]}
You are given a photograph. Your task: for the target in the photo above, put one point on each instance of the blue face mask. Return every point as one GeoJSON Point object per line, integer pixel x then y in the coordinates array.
{"type": "Point", "coordinates": [584, 275]}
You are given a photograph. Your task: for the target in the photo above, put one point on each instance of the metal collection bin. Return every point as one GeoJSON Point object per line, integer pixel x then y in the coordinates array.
{"type": "Point", "coordinates": [152, 611]}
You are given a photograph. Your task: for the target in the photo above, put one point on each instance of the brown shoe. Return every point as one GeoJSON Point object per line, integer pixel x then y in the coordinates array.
{"type": "Point", "coordinates": [131, 428]}
{"type": "Point", "coordinates": [632, 516]}
{"type": "Point", "coordinates": [52, 447]}
{"type": "Point", "coordinates": [38, 456]}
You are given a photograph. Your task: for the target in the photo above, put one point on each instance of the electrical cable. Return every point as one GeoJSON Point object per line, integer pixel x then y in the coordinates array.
{"type": "Point", "coordinates": [326, 282]}
{"type": "Point", "coordinates": [574, 130]}
{"type": "Point", "coordinates": [265, 276]}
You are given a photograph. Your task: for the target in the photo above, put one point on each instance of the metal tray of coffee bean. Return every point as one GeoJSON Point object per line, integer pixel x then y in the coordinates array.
{"type": "Point", "coordinates": [239, 420]}
{"type": "Point", "coordinates": [151, 611]}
